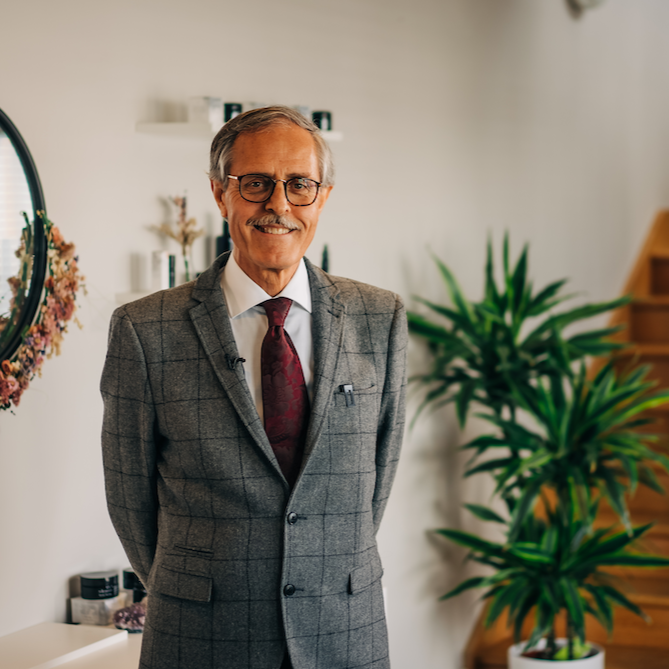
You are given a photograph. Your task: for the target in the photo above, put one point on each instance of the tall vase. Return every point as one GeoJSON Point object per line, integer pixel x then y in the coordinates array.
{"type": "Point", "coordinates": [187, 271]}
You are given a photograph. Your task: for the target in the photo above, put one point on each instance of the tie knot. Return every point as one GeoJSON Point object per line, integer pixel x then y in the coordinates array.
{"type": "Point", "coordinates": [277, 310]}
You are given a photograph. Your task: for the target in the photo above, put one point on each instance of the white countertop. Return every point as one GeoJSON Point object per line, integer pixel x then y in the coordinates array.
{"type": "Point", "coordinates": [122, 655]}
{"type": "Point", "coordinates": [50, 645]}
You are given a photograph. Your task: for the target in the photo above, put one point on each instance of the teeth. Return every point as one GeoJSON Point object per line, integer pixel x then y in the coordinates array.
{"type": "Point", "coordinates": [274, 231]}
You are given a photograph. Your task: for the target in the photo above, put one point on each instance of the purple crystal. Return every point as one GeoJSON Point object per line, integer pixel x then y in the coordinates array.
{"type": "Point", "coordinates": [131, 618]}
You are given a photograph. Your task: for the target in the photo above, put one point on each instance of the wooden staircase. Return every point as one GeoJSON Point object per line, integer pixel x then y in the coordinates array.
{"type": "Point", "coordinates": [635, 643]}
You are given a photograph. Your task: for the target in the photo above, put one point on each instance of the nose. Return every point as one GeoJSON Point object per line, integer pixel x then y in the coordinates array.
{"type": "Point", "coordinates": [278, 203]}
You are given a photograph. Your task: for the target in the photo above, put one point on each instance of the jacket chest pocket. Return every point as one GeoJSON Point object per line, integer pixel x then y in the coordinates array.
{"type": "Point", "coordinates": [356, 409]}
{"type": "Point", "coordinates": [350, 395]}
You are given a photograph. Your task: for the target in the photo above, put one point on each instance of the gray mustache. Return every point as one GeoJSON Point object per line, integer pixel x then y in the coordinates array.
{"type": "Point", "coordinates": [273, 219]}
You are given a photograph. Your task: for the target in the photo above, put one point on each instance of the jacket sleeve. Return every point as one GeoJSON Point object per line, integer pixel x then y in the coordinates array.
{"type": "Point", "coordinates": [128, 445]}
{"type": "Point", "coordinates": [391, 419]}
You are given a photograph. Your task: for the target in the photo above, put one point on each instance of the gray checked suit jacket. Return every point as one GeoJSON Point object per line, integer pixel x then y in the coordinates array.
{"type": "Point", "coordinates": [239, 567]}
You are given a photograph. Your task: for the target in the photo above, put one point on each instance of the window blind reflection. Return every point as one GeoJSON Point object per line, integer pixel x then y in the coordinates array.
{"type": "Point", "coordinates": [14, 198]}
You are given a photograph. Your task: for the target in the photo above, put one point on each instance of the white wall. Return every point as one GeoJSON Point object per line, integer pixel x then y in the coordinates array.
{"type": "Point", "coordinates": [514, 116]}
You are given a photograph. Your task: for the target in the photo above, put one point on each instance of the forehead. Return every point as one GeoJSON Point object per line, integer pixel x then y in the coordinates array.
{"type": "Point", "coordinates": [279, 150]}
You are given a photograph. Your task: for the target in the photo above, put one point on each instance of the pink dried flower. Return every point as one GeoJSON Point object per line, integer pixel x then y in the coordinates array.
{"type": "Point", "coordinates": [44, 337]}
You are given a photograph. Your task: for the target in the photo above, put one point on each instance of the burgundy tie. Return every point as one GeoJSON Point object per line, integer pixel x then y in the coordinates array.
{"type": "Point", "coordinates": [284, 393]}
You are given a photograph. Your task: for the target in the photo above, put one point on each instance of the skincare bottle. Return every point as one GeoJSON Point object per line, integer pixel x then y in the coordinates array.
{"type": "Point", "coordinates": [99, 600]}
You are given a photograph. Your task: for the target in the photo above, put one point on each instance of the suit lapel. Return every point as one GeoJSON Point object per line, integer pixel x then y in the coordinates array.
{"type": "Point", "coordinates": [212, 324]}
{"type": "Point", "coordinates": [328, 314]}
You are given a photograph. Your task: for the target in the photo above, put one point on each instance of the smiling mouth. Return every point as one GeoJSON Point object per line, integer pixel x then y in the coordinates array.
{"type": "Point", "coordinates": [269, 230]}
{"type": "Point", "coordinates": [273, 225]}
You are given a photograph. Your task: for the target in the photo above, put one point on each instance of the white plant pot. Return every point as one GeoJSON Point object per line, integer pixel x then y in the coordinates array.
{"type": "Point", "coordinates": [518, 662]}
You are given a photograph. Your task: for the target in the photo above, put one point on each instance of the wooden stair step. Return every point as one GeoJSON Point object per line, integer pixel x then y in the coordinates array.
{"type": "Point", "coordinates": [659, 427]}
{"type": "Point", "coordinates": [645, 499]}
{"type": "Point", "coordinates": [493, 657]}
{"type": "Point", "coordinates": [629, 657]}
{"type": "Point", "coordinates": [645, 506]}
{"type": "Point", "coordinates": [655, 355]}
{"type": "Point", "coordinates": [607, 517]}
{"type": "Point", "coordinates": [632, 586]}
{"type": "Point", "coordinates": [649, 322]}
{"type": "Point", "coordinates": [639, 574]}
{"type": "Point", "coordinates": [630, 629]}
{"type": "Point", "coordinates": [655, 541]}
{"type": "Point", "coordinates": [649, 350]}
{"type": "Point", "coordinates": [659, 272]}
{"type": "Point", "coordinates": [650, 300]}
{"type": "Point", "coordinates": [645, 503]}
{"type": "Point", "coordinates": [644, 593]}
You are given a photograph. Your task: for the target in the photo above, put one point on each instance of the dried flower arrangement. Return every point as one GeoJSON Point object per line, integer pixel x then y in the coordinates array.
{"type": "Point", "coordinates": [186, 232]}
{"type": "Point", "coordinates": [44, 337]}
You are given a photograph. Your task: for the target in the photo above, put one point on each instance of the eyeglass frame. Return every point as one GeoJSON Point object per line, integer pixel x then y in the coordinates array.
{"type": "Point", "coordinates": [285, 188]}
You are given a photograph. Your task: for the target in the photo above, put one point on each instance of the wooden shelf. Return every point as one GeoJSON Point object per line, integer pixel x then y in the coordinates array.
{"type": "Point", "coordinates": [204, 131]}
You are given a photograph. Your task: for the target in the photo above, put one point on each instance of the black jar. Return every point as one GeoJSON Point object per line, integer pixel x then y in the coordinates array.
{"type": "Point", "coordinates": [99, 585]}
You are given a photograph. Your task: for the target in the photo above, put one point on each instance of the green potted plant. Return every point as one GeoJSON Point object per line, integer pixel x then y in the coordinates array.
{"type": "Point", "coordinates": [562, 443]}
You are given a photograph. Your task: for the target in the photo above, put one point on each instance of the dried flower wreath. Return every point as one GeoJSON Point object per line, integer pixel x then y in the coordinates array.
{"type": "Point", "coordinates": [43, 338]}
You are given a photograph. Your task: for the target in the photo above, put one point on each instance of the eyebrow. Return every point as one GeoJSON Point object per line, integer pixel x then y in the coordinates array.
{"type": "Point", "coordinates": [292, 175]}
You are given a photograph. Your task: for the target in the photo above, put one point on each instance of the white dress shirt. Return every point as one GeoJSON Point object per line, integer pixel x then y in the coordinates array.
{"type": "Point", "coordinates": [249, 322]}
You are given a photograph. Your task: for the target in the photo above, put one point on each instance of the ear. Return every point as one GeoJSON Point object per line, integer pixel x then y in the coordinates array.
{"type": "Point", "coordinates": [219, 195]}
{"type": "Point", "coordinates": [323, 195]}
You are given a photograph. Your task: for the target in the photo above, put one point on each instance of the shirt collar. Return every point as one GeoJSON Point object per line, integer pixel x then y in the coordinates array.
{"type": "Point", "coordinates": [243, 293]}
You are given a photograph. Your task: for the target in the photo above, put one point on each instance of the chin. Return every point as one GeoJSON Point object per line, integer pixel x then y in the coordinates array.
{"type": "Point", "coordinates": [279, 256]}
{"type": "Point", "coordinates": [277, 261]}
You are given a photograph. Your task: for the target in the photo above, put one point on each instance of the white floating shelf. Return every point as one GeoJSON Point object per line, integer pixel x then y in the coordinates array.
{"type": "Point", "coordinates": [50, 645]}
{"type": "Point", "coordinates": [333, 135]}
{"type": "Point", "coordinates": [204, 131]}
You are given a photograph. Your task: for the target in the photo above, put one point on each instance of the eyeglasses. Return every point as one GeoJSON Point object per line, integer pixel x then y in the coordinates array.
{"type": "Point", "coordinates": [299, 191]}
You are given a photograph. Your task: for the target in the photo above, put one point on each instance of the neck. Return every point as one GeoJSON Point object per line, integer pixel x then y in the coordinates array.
{"type": "Point", "coordinates": [272, 281]}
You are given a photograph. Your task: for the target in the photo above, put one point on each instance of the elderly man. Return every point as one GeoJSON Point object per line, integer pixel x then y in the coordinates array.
{"type": "Point", "coordinates": [252, 428]}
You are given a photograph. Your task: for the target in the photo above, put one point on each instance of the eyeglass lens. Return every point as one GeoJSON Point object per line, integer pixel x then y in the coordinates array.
{"type": "Point", "coordinates": [258, 188]}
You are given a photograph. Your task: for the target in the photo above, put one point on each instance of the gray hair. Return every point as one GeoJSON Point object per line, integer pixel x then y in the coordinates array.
{"type": "Point", "coordinates": [258, 120]}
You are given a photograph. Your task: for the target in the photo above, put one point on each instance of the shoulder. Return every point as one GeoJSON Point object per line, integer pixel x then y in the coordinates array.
{"type": "Point", "coordinates": [158, 325]}
{"type": "Point", "coordinates": [356, 297]}
{"type": "Point", "coordinates": [362, 297]}
{"type": "Point", "coordinates": [164, 305]}
{"type": "Point", "coordinates": [174, 304]}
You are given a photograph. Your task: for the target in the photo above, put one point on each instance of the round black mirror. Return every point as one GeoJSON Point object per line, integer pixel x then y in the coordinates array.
{"type": "Point", "coordinates": [23, 248]}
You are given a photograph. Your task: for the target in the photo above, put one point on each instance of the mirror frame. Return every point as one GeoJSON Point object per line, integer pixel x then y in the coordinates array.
{"type": "Point", "coordinates": [31, 304]}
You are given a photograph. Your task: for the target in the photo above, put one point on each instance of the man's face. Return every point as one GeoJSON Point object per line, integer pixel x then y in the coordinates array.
{"type": "Point", "coordinates": [280, 152]}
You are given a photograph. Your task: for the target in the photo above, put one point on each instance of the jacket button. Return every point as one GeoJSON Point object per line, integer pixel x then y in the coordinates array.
{"type": "Point", "coordinates": [289, 590]}
{"type": "Point", "coordinates": [292, 518]}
